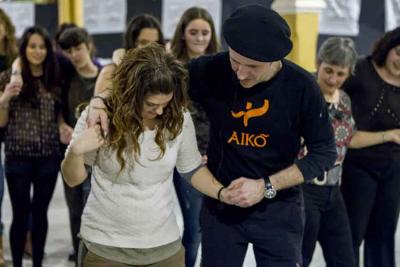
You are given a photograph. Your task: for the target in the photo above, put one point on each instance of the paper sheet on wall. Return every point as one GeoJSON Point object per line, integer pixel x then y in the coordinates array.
{"type": "Point", "coordinates": [392, 14]}
{"type": "Point", "coordinates": [104, 16]}
{"type": "Point", "coordinates": [22, 15]}
{"type": "Point", "coordinates": [340, 17]}
{"type": "Point", "coordinates": [172, 11]}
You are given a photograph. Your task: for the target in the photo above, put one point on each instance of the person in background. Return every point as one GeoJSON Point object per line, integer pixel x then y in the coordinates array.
{"type": "Point", "coordinates": [194, 36]}
{"type": "Point", "coordinates": [326, 216]}
{"type": "Point", "coordinates": [371, 175]}
{"type": "Point", "coordinates": [32, 114]}
{"type": "Point", "coordinates": [129, 216]}
{"type": "Point", "coordinates": [67, 71]}
{"type": "Point", "coordinates": [8, 52]}
{"type": "Point", "coordinates": [141, 30]}
{"type": "Point", "coordinates": [78, 88]}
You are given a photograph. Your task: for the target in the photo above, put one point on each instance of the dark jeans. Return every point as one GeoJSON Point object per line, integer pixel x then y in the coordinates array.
{"type": "Point", "coordinates": [190, 201]}
{"type": "Point", "coordinates": [327, 222]}
{"type": "Point", "coordinates": [371, 190]}
{"type": "Point", "coordinates": [20, 174]}
{"type": "Point", "coordinates": [275, 229]}
{"type": "Point", "coordinates": [1, 192]}
{"type": "Point", "coordinates": [76, 199]}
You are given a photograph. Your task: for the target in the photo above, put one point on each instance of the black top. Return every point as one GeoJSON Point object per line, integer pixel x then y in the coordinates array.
{"type": "Point", "coordinates": [32, 129]}
{"type": "Point", "coordinates": [375, 105]}
{"type": "Point", "coordinates": [256, 132]}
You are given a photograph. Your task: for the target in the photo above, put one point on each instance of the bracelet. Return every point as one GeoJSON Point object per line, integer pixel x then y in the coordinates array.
{"type": "Point", "coordinates": [219, 193]}
{"type": "Point", "coordinates": [98, 97]}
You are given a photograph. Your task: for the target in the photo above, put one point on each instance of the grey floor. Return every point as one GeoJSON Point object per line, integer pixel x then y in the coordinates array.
{"type": "Point", "coordinates": [59, 244]}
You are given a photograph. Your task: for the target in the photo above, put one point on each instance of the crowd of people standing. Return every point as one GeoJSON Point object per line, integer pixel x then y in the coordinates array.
{"type": "Point", "coordinates": [257, 149]}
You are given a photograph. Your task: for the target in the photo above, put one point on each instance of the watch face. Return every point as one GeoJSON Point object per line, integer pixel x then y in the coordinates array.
{"type": "Point", "coordinates": [270, 193]}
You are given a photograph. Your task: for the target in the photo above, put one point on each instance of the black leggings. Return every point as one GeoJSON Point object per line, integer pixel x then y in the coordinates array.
{"type": "Point", "coordinates": [20, 174]}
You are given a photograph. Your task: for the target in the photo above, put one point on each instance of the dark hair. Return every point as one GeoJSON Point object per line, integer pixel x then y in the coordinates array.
{"type": "Point", "coordinates": [339, 51]}
{"type": "Point", "coordinates": [64, 26]}
{"type": "Point", "coordinates": [178, 45]}
{"type": "Point", "coordinates": [74, 37]}
{"type": "Point", "coordinates": [136, 25]}
{"type": "Point", "coordinates": [50, 67]}
{"type": "Point", "coordinates": [10, 42]}
{"type": "Point", "coordinates": [143, 72]}
{"type": "Point", "coordinates": [382, 47]}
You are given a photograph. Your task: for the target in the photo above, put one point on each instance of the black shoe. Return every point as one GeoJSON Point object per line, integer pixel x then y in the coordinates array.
{"type": "Point", "coordinates": [72, 257]}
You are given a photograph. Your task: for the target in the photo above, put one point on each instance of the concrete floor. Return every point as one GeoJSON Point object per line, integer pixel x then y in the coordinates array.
{"type": "Point", "coordinates": [59, 243]}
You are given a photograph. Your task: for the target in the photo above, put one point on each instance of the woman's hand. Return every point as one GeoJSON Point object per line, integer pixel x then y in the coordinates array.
{"type": "Point", "coordinates": [392, 136]}
{"type": "Point", "coordinates": [98, 115]}
{"type": "Point", "coordinates": [65, 133]}
{"type": "Point", "coordinates": [11, 90]}
{"type": "Point", "coordinates": [89, 140]}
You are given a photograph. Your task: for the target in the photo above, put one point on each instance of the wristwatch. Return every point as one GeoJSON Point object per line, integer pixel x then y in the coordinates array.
{"type": "Point", "coordinates": [269, 190]}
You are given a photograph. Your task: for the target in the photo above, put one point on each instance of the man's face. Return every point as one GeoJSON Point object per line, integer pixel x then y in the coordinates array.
{"type": "Point", "coordinates": [248, 71]}
{"type": "Point", "coordinates": [78, 55]}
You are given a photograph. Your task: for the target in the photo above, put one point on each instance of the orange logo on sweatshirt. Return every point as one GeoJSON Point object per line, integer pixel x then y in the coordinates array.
{"type": "Point", "coordinates": [250, 139]}
{"type": "Point", "coordinates": [251, 113]}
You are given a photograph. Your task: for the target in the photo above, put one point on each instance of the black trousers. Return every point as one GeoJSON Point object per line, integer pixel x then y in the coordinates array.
{"type": "Point", "coordinates": [76, 199]}
{"type": "Point", "coordinates": [275, 228]}
{"type": "Point", "coordinates": [21, 173]}
{"type": "Point", "coordinates": [327, 223]}
{"type": "Point", "coordinates": [371, 190]}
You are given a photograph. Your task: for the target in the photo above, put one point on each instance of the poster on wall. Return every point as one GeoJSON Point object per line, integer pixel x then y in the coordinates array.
{"type": "Point", "coordinates": [340, 17]}
{"type": "Point", "coordinates": [172, 10]}
{"type": "Point", "coordinates": [392, 14]}
{"type": "Point", "coordinates": [104, 16]}
{"type": "Point", "coordinates": [22, 15]}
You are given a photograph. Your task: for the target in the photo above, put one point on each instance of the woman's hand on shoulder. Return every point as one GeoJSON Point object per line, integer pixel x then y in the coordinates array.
{"type": "Point", "coordinates": [89, 140]}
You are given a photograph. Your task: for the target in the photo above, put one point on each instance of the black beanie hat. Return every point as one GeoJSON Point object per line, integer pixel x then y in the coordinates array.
{"type": "Point", "coordinates": [258, 33]}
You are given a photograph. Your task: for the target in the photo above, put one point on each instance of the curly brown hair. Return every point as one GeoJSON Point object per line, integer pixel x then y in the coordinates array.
{"type": "Point", "coordinates": [143, 72]}
{"type": "Point", "coordinates": [10, 42]}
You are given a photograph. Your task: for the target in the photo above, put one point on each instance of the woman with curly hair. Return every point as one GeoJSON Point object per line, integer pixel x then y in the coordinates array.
{"type": "Point", "coordinates": [129, 216]}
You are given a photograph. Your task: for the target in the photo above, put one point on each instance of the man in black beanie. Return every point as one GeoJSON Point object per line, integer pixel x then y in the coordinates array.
{"type": "Point", "coordinates": [260, 106]}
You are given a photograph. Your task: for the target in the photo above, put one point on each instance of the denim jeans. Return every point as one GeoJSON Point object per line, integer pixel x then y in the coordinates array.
{"type": "Point", "coordinates": [76, 198]}
{"type": "Point", "coordinates": [1, 192]}
{"type": "Point", "coordinates": [190, 201]}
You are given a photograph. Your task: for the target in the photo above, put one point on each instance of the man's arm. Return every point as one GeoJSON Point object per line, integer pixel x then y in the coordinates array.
{"type": "Point", "coordinates": [246, 192]}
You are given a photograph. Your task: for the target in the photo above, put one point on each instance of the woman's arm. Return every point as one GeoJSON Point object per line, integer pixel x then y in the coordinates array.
{"type": "Point", "coordinates": [16, 76]}
{"type": "Point", "coordinates": [73, 165]}
{"type": "Point", "coordinates": [104, 81]}
{"type": "Point", "coordinates": [364, 139]}
{"type": "Point", "coordinates": [64, 130]}
{"type": "Point", "coordinates": [205, 182]}
{"type": "Point", "coordinates": [11, 90]}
